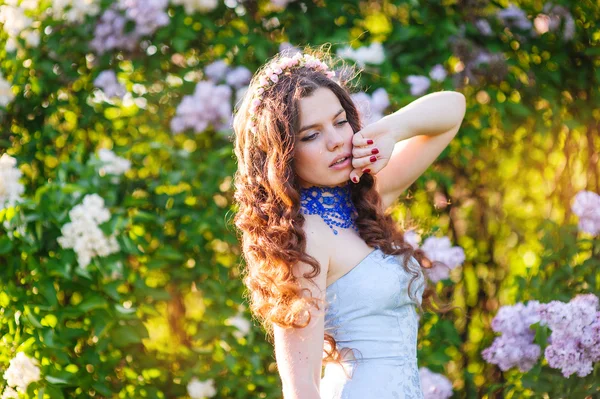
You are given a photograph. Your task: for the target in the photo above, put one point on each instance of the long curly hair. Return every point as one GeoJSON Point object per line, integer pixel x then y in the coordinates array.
{"type": "Point", "coordinates": [267, 193]}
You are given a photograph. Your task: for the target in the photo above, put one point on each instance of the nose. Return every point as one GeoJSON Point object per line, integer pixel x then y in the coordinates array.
{"type": "Point", "coordinates": [334, 139]}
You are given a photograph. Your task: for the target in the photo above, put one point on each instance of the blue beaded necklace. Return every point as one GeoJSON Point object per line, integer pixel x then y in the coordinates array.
{"type": "Point", "coordinates": [333, 204]}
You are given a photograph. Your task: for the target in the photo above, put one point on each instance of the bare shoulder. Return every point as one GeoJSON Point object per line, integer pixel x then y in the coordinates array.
{"type": "Point", "coordinates": [317, 236]}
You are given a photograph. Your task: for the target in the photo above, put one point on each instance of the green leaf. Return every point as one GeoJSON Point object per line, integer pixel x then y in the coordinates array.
{"type": "Point", "coordinates": [5, 245]}
{"type": "Point", "coordinates": [93, 302]}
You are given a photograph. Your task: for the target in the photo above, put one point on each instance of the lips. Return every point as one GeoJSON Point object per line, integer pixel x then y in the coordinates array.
{"type": "Point", "coordinates": [339, 157]}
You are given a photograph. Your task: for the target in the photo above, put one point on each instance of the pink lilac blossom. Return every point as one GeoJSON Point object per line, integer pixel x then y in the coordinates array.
{"type": "Point", "coordinates": [575, 339]}
{"type": "Point", "coordinates": [210, 104]}
{"type": "Point", "coordinates": [434, 385]}
{"type": "Point", "coordinates": [587, 206]}
{"type": "Point", "coordinates": [445, 256]}
{"type": "Point", "coordinates": [515, 346]}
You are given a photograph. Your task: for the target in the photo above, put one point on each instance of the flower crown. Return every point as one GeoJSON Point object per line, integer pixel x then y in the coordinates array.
{"type": "Point", "coordinates": [271, 76]}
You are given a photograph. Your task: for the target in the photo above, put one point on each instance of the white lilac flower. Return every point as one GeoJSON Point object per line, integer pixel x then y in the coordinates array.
{"type": "Point", "coordinates": [434, 385]}
{"type": "Point", "coordinates": [514, 17]}
{"type": "Point", "coordinates": [438, 73]}
{"type": "Point", "coordinates": [441, 250]}
{"type": "Point", "coordinates": [370, 108]}
{"type": "Point", "coordinates": [241, 323]}
{"type": "Point", "coordinates": [10, 393]}
{"type": "Point", "coordinates": [112, 164]}
{"type": "Point", "coordinates": [210, 104]}
{"type": "Point", "coordinates": [412, 238]}
{"type": "Point", "coordinates": [10, 188]}
{"type": "Point", "coordinates": [21, 372]}
{"type": "Point", "coordinates": [74, 11]}
{"type": "Point", "coordinates": [373, 54]}
{"type": "Point", "coordinates": [201, 389]}
{"type": "Point", "coordinates": [215, 71]}
{"type": "Point", "coordinates": [82, 233]}
{"type": "Point", "coordinates": [586, 206]}
{"type": "Point", "coordinates": [238, 77]}
{"type": "Point", "coordinates": [108, 83]}
{"type": "Point", "coordinates": [14, 20]}
{"type": "Point", "coordinates": [6, 94]}
{"type": "Point", "coordinates": [193, 6]}
{"type": "Point", "coordinates": [418, 84]}
{"type": "Point", "coordinates": [515, 347]}
{"type": "Point", "coordinates": [575, 339]}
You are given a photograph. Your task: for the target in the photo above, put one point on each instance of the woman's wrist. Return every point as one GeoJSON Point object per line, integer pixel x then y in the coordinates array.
{"type": "Point", "coordinates": [395, 128]}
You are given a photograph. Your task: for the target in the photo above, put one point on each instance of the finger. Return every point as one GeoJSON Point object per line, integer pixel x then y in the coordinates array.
{"type": "Point", "coordinates": [355, 175]}
{"type": "Point", "coordinates": [359, 152]}
{"type": "Point", "coordinates": [358, 140]}
{"type": "Point", "coordinates": [361, 163]}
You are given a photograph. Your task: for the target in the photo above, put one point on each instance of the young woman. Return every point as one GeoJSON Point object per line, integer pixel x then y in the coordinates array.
{"type": "Point", "coordinates": [325, 263]}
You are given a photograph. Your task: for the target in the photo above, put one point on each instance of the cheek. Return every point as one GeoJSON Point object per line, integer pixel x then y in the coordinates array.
{"type": "Point", "coordinates": [305, 159]}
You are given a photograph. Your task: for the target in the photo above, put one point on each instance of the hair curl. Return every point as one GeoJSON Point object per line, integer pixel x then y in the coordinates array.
{"type": "Point", "coordinates": [267, 194]}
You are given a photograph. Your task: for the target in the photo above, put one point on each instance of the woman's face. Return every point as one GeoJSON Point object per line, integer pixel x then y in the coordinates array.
{"type": "Point", "coordinates": [324, 136]}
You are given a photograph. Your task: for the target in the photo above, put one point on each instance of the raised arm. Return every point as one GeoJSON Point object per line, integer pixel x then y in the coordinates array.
{"type": "Point", "coordinates": [409, 141]}
{"type": "Point", "coordinates": [299, 352]}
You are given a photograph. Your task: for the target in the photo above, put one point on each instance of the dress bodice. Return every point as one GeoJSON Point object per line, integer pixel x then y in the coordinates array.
{"type": "Point", "coordinates": [369, 310]}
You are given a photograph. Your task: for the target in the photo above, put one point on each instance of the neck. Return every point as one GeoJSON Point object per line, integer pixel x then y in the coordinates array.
{"type": "Point", "coordinates": [332, 203]}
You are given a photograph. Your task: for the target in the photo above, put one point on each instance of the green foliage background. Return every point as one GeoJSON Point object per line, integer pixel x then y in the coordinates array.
{"type": "Point", "coordinates": [142, 322]}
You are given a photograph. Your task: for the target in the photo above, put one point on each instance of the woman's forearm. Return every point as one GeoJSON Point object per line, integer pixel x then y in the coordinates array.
{"type": "Point", "coordinates": [430, 115]}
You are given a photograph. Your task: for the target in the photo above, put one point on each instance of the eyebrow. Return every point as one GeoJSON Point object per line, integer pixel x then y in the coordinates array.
{"type": "Point", "coordinates": [318, 124]}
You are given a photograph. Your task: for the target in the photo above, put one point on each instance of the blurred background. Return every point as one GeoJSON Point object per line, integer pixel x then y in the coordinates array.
{"type": "Point", "coordinates": [120, 266]}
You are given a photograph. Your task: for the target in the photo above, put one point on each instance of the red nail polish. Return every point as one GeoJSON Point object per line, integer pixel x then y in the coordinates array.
{"type": "Point", "coordinates": [374, 151]}
{"type": "Point", "coordinates": [354, 179]}
{"type": "Point", "coordinates": [369, 142]}
{"type": "Point", "coordinates": [367, 171]}
{"type": "Point", "coordinates": [373, 158]}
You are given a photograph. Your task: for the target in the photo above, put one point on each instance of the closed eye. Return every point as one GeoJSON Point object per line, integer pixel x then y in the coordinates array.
{"type": "Point", "coordinates": [309, 138]}
{"type": "Point", "coordinates": [340, 123]}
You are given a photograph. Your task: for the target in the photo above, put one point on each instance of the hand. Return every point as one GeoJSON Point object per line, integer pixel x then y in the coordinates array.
{"type": "Point", "coordinates": [380, 150]}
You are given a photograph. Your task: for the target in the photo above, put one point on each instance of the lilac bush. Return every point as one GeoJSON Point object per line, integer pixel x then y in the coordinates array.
{"type": "Point", "coordinates": [434, 385]}
{"type": "Point", "coordinates": [515, 347]}
{"type": "Point", "coordinates": [574, 345]}
{"type": "Point", "coordinates": [587, 206]}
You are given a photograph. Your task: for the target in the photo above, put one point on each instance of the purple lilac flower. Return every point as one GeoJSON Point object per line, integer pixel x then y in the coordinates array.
{"type": "Point", "coordinates": [210, 104]}
{"type": "Point", "coordinates": [515, 346]}
{"type": "Point", "coordinates": [575, 339]}
{"type": "Point", "coordinates": [434, 385]}
{"type": "Point", "coordinates": [238, 77]}
{"type": "Point", "coordinates": [514, 17]}
{"type": "Point", "coordinates": [216, 71]}
{"type": "Point", "coordinates": [441, 250]}
{"type": "Point", "coordinates": [418, 84]}
{"type": "Point", "coordinates": [370, 108]}
{"type": "Point", "coordinates": [587, 206]}
{"type": "Point", "coordinates": [107, 82]}
{"type": "Point", "coordinates": [110, 33]}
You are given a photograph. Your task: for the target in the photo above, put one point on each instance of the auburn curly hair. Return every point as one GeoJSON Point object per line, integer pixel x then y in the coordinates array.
{"type": "Point", "coordinates": [267, 193]}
